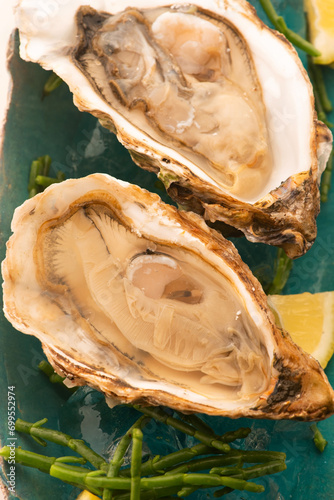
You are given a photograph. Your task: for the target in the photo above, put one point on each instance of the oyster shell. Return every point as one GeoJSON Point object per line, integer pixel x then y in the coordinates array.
{"type": "Point", "coordinates": [213, 101]}
{"type": "Point", "coordinates": [148, 304]}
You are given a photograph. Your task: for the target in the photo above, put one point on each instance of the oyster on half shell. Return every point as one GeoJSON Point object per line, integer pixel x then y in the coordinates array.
{"type": "Point", "coordinates": [213, 101]}
{"type": "Point", "coordinates": [148, 304]}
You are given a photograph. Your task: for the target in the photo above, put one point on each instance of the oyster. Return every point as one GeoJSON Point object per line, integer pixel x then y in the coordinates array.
{"type": "Point", "coordinates": [148, 304]}
{"type": "Point", "coordinates": [213, 101]}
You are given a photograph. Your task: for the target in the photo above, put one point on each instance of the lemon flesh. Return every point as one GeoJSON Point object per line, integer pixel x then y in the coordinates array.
{"type": "Point", "coordinates": [86, 495]}
{"type": "Point", "coordinates": [309, 319]}
{"type": "Point", "coordinates": [321, 23]}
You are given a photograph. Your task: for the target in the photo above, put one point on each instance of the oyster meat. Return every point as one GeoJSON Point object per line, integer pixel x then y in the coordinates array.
{"type": "Point", "coordinates": [148, 304]}
{"type": "Point", "coordinates": [213, 101]}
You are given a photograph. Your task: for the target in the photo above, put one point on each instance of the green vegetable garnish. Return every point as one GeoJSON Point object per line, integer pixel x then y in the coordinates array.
{"type": "Point", "coordinates": [118, 458]}
{"type": "Point", "coordinates": [39, 175]}
{"type": "Point", "coordinates": [42, 433]}
{"type": "Point", "coordinates": [319, 84]}
{"type": "Point", "coordinates": [47, 369]}
{"type": "Point", "coordinates": [282, 269]}
{"type": "Point", "coordinates": [323, 104]}
{"type": "Point", "coordinates": [179, 473]}
{"type": "Point", "coordinates": [326, 179]}
{"type": "Point", "coordinates": [280, 25]}
{"type": "Point", "coordinates": [136, 458]}
{"type": "Point", "coordinates": [52, 83]}
{"type": "Point", "coordinates": [318, 438]}
{"type": "Point", "coordinates": [205, 438]}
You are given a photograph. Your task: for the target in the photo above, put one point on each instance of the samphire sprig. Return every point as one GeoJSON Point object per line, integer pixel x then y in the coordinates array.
{"type": "Point", "coordinates": [326, 179]}
{"type": "Point", "coordinates": [211, 463]}
{"type": "Point", "coordinates": [52, 83]}
{"type": "Point", "coordinates": [39, 177]}
{"type": "Point", "coordinates": [282, 268]}
{"type": "Point", "coordinates": [319, 441]}
{"type": "Point", "coordinates": [280, 25]}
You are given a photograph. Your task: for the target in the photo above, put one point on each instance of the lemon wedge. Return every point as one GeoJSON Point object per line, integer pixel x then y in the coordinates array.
{"type": "Point", "coordinates": [309, 319]}
{"type": "Point", "coordinates": [86, 495]}
{"type": "Point", "coordinates": [321, 23]}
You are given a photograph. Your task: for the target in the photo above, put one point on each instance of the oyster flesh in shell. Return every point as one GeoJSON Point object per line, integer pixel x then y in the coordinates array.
{"type": "Point", "coordinates": [213, 101]}
{"type": "Point", "coordinates": [149, 305]}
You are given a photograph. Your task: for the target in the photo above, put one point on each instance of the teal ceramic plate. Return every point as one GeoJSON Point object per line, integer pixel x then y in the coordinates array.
{"type": "Point", "coordinates": [78, 145]}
